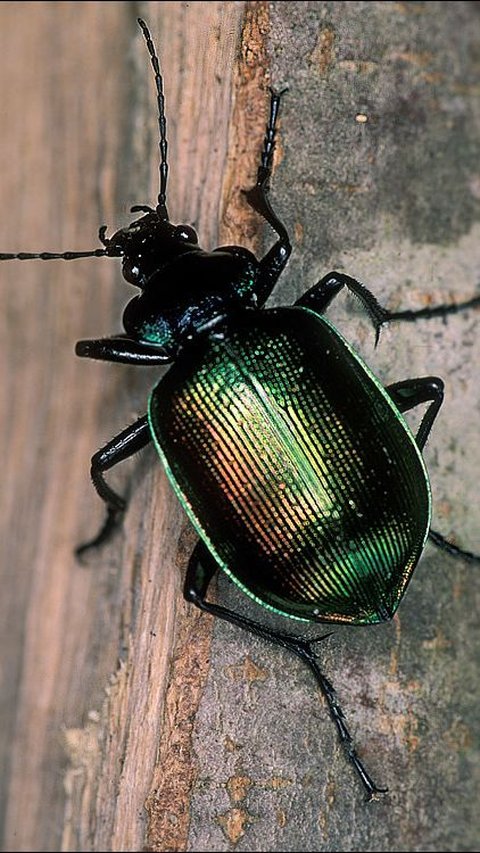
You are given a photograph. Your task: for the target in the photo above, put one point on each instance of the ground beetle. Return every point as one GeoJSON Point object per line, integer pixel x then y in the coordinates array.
{"type": "Point", "coordinates": [292, 461]}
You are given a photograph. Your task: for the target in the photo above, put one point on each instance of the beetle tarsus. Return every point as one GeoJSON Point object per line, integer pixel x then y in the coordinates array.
{"type": "Point", "coordinates": [127, 443]}
{"type": "Point", "coordinates": [201, 569]}
{"type": "Point", "coordinates": [319, 297]}
{"type": "Point", "coordinates": [257, 196]}
{"type": "Point", "coordinates": [305, 653]}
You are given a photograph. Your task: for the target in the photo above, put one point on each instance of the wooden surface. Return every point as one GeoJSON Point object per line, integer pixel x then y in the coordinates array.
{"type": "Point", "coordinates": [130, 722]}
{"type": "Point", "coordinates": [87, 649]}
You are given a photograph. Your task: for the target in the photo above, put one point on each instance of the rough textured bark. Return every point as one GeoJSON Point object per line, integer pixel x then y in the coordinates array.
{"type": "Point", "coordinates": [129, 721]}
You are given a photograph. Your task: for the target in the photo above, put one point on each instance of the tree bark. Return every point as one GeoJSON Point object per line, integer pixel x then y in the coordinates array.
{"type": "Point", "coordinates": [130, 721]}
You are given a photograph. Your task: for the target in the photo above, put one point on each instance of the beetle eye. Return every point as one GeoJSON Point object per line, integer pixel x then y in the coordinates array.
{"type": "Point", "coordinates": [185, 233]}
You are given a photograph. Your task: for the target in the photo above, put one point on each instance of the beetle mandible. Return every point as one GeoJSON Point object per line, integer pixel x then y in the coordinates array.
{"type": "Point", "coordinates": [292, 461]}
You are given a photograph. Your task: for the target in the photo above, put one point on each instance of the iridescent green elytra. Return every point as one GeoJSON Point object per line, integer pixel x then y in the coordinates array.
{"type": "Point", "coordinates": [295, 466]}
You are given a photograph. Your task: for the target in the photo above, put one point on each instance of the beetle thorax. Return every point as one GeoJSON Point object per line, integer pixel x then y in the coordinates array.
{"type": "Point", "coordinates": [192, 294]}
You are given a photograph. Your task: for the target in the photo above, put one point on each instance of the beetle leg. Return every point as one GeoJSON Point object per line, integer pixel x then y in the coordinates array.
{"type": "Point", "coordinates": [124, 445]}
{"type": "Point", "coordinates": [321, 294]}
{"type": "Point", "coordinates": [257, 197]}
{"type": "Point", "coordinates": [406, 395]}
{"type": "Point", "coordinates": [412, 392]}
{"type": "Point", "coordinates": [319, 297]}
{"type": "Point", "coordinates": [122, 349]}
{"type": "Point", "coordinates": [272, 264]}
{"type": "Point", "coordinates": [201, 569]}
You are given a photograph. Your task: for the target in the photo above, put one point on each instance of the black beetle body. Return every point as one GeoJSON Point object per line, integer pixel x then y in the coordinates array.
{"type": "Point", "coordinates": [293, 462]}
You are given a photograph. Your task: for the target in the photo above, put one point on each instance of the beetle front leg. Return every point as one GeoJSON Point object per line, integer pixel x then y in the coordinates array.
{"type": "Point", "coordinates": [272, 264]}
{"type": "Point", "coordinates": [124, 445]}
{"type": "Point", "coordinates": [319, 296]}
{"type": "Point", "coordinates": [123, 350]}
{"type": "Point", "coordinates": [201, 569]}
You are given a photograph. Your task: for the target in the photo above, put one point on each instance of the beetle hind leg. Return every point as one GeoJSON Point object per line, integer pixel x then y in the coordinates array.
{"type": "Point", "coordinates": [406, 395]}
{"type": "Point", "coordinates": [201, 569]}
{"type": "Point", "coordinates": [412, 392]}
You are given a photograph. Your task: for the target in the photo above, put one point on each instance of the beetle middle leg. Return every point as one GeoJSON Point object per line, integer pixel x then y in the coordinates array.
{"type": "Point", "coordinates": [201, 569]}
{"type": "Point", "coordinates": [124, 350]}
{"type": "Point", "coordinates": [319, 296]}
{"type": "Point", "coordinates": [125, 444]}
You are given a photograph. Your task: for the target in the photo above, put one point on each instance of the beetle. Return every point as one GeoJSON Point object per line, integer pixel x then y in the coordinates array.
{"type": "Point", "coordinates": [293, 462]}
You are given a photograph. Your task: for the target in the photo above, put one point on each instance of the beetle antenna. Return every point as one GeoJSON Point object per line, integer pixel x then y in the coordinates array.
{"type": "Point", "coordinates": [162, 122]}
{"type": "Point", "coordinates": [52, 256]}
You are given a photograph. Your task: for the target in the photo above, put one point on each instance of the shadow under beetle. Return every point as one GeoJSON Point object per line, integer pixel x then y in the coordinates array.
{"type": "Point", "coordinates": [292, 461]}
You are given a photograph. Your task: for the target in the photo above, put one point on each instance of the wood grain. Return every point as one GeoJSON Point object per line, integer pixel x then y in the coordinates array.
{"type": "Point", "coordinates": [87, 649]}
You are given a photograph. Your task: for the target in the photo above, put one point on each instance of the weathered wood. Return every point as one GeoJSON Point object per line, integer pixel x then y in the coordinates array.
{"type": "Point", "coordinates": [129, 721]}
{"type": "Point", "coordinates": [87, 649]}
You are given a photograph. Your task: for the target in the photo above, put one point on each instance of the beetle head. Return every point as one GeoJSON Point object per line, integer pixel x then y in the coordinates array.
{"type": "Point", "coordinates": [148, 244]}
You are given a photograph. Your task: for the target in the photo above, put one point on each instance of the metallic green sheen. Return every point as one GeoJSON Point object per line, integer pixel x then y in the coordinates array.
{"type": "Point", "coordinates": [295, 467]}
